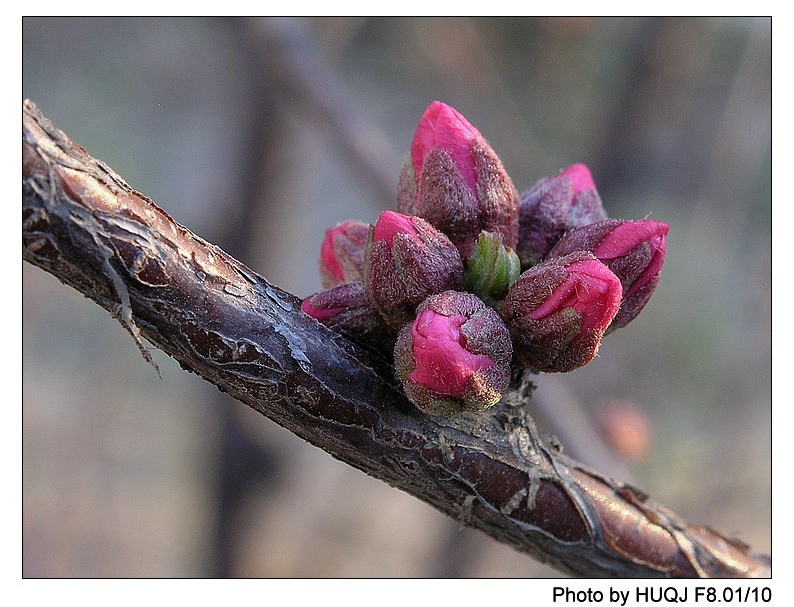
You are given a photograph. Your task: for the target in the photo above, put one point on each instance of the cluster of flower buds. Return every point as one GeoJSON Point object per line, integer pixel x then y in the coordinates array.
{"type": "Point", "coordinates": [467, 277]}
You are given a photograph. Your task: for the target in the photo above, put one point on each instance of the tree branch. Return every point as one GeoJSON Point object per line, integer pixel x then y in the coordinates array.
{"type": "Point", "coordinates": [219, 319]}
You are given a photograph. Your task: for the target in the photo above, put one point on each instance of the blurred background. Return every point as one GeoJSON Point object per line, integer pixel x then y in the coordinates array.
{"type": "Point", "coordinates": [260, 134]}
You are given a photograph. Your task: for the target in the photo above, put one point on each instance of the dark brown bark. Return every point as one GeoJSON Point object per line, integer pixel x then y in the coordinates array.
{"type": "Point", "coordinates": [219, 319]}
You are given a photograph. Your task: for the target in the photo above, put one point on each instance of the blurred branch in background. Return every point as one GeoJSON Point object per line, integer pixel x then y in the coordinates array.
{"type": "Point", "coordinates": [645, 102]}
{"type": "Point", "coordinates": [289, 60]}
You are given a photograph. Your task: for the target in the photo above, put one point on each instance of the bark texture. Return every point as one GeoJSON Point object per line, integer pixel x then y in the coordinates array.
{"type": "Point", "coordinates": [219, 319]}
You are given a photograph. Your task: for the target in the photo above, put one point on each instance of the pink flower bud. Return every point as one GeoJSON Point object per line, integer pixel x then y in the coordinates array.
{"type": "Point", "coordinates": [443, 127]}
{"type": "Point", "coordinates": [407, 260]}
{"type": "Point", "coordinates": [634, 250]}
{"type": "Point", "coordinates": [342, 253]}
{"type": "Point", "coordinates": [553, 206]}
{"type": "Point", "coordinates": [455, 356]}
{"type": "Point", "coordinates": [345, 309]}
{"type": "Point", "coordinates": [558, 310]}
{"type": "Point", "coordinates": [455, 181]}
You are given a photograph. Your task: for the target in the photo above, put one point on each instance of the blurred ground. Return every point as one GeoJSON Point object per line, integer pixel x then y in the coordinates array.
{"type": "Point", "coordinates": [258, 135]}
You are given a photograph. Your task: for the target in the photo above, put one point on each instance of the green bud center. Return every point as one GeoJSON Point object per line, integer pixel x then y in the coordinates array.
{"type": "Point", "coordinates": [491, 268]}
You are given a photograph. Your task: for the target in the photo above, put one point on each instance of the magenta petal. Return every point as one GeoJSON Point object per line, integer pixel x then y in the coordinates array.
{"type": "Point", "coordinates": [599, 293]}
{"type": "Point", "coordinates": [629, 235]}
{"type": "Point", "coordinates": [562, 297]}
{"type": "Point", "coordinates": [659, 248]}
{"type": "Point", "coordinates": [390, 224]}
{"type": "Point", "coordinates": [328, 257]}
{"type": "Point", "coordinates": [591, 289]}
{"type": "Point", "coordinates": [581, 178]}
{"type": "Point", "coordinates": [320, 314]}
{"type": "Point", "coordinates": [442, 126]}
{"type": "Point", "coordinates": [442, 363]}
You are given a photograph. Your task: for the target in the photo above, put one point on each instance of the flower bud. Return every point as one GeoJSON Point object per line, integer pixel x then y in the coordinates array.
{"type": "Point", "coordinates": [491, 268]}
{"type": "Point", "coordinates": [345, 309]}
{"type": "Point", "coordinates": [408, 260]}
{"type": "Point", "coordinates": [456, 181]}
{"type": "Point", "coordinates": [342, 253]}
{"type": "Point", "coordinates": [634, 250]}
{"type": "Point", "coordinates": [558, 310]}
{"type": "Point", "coordinates": [455, 356]}
{"type": "Point", "coordinates": [553, 206]}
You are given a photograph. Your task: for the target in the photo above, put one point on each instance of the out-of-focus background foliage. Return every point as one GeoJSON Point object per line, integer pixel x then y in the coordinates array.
{"type": "Point", "coordinates": [258, 135]}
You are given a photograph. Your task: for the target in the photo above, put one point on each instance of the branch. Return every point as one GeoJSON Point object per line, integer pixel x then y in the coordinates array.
{"type": "Point", "coordinates": [219, 319]}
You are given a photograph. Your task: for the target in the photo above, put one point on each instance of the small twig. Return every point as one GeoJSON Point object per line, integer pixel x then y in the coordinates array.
{"type": "Point", "coordinates": [286, 54]}
{"type": "Point", "coordinates": [219, 319]}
